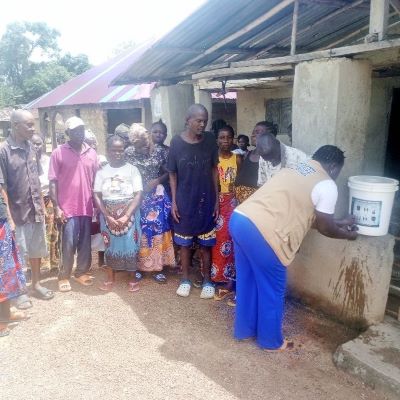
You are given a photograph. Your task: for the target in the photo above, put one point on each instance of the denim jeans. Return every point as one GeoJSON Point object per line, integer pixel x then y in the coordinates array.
{"type": "Point", "coordinates": [75, 238]}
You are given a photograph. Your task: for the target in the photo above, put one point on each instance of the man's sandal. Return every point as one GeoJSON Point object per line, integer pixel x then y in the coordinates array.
{"type": "Point", "coordinates": [42, 293]}
{"type": "Point", "coordinates": [84, 280]}
{"type": "Point", "coordinates": [64, 285]}
{"type": "Point", "coordinates": [286, 346]}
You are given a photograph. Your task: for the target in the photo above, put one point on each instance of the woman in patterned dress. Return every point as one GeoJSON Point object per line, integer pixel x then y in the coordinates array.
{"type": "Point", "coordinates": [118, 193]}
{"type": "Point", "coordinates": [223, 267]}
{"type": "Point", "coordinates": [156, 247]}
{"type": "Point", "coordinates": [12, 279]}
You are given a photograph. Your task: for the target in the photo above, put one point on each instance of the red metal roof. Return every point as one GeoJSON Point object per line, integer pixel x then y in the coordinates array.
{"type": "Point", "coordinates": [93, 86]}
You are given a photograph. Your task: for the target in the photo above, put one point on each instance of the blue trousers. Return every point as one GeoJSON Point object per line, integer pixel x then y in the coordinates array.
{"type": "Point", "coordinates": [260, 285]}
{"type": "Point", "coordinates": [75, 238]}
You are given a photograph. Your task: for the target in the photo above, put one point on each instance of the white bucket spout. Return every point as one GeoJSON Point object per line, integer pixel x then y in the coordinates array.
{"type": "Point", "coordinates": [371, 202]}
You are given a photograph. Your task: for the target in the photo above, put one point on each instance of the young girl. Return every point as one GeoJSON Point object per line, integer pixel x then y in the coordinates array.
{"type": "Point", "coordinates": [118, 194]}
{"type": "Point", "coordinates": [223, 267]}
{"type": "Point", "coordinates": [12, 280]}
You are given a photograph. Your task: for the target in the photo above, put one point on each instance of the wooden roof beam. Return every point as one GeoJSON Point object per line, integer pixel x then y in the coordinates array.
{"type": "Point", "coordinates": [396, 5]}
{"type": "Point", "coordinates": [249, 27]}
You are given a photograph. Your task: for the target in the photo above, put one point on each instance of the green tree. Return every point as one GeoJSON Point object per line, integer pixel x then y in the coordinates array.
{"type": "Point", "coordinates": [31, 63]}
{"type": "Point", "coordinates": [76, 65]}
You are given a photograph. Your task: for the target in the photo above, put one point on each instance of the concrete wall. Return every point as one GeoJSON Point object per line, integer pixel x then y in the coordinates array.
{"type": "Point", "coordinates": [171, 103]}
{"type": "Point", "coordinates": [331, 104]}
{"type": "Point", "coordinates": [204, 97]}
{"type": "Point", "coordinates": [348, 280]}
{"type": "Point", "coordinates": [250, 105]}
{"type": "Point", "coordinates": [95, 119]}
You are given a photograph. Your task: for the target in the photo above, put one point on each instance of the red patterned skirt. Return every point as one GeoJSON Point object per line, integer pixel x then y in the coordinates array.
{"type": "Point", "coordinates": [222, 256]}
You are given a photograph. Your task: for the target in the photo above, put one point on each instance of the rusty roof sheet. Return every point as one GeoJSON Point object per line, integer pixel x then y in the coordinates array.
{"type": "Point", "coordinates": [94, 85]}
{"type": "Point", "coordinates": [186, 49]}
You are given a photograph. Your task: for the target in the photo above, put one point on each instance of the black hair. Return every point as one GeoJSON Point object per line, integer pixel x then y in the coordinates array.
{"type": "Point", "coordinates": [114, 138]}
{"type": "Point", "coordinates": [245, 137]}
{"type": "Point", "coordinates": [161, 123]}
{"type": "Point", "coordinates": [227, 128]}
{"type": "Point", "coordinates": [273, 128]}
{"type": "Point", "coordinates": [217, 125]}
{"type": "Point", "coordinates": [329, 154]}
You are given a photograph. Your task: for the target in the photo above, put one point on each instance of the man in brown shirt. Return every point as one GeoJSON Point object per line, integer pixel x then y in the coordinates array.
{"type": "Point", "coordinates": [21, 169]}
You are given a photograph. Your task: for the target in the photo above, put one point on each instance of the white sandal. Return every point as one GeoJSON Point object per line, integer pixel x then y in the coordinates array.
{"type": "Point", "coordinates": [208, 291]}
{"type": "Point", "coordinates": [184, 288]}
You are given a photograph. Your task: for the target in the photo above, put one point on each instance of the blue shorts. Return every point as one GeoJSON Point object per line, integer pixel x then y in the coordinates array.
{"type": "Point", "coordinates": [206, 239]}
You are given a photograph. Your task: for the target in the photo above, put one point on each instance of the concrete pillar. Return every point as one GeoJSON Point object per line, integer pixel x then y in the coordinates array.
{"type": "Point", "coordinates": [204, 97]}
{"type": "Point", "coordinates": [331, 100]}
{"type": "Point", "coordinates": [378, 19]}
{"type": "Point", "coordinates": [170, 103]}
{"type": "Point", "coordinates": [331, 105]}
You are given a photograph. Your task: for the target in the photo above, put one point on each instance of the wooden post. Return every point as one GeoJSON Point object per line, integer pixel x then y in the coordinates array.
{"type": "Point", "coordinates": [294, 28]}
{"type": "Point", "coordinates": [378, 20]}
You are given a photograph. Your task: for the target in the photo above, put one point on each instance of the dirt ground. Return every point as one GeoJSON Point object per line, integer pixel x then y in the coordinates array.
{"type": "Point", "coordinates": [87, 344]}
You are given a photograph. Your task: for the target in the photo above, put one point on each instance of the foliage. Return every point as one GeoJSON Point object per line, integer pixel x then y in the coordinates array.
{"type": "Point", "coordinates": [31, 63]}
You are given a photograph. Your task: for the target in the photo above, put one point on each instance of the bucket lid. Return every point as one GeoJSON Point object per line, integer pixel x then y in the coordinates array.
{"type": "Point", "coordinates": [381, 181]}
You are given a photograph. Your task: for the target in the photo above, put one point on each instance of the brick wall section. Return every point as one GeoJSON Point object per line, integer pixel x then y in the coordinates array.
{"type": "Point", "coordinates": [395, 231]}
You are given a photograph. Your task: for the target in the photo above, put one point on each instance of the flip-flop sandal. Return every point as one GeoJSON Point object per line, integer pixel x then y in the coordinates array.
{"type": "Point", "coordinates": [106, 286]}
{"type": "Point", "coordinates": [231, 302]}
{"type": "Point", "coordinates": [84, 280]}
{"type": "Point", "coordinates": [184, 288]}
{"type": "Point", "coordinates": [133, 286]}
{"type": "Point", "coordinates": [64, 285]}
{"type": "Point", "coordinates": [160, 278]}
{"type": "Point", "coordinates": [286, 346]}
{"type": "Point", "coordinates": [16, 316]}
{"type": "Point", "coordinates": [208, 291]}
{"type": "Point", "coordinates": [43, 293]}
{"type": "Point", "coordinates": [4, 332]}
{"type": "Point", "coordinates": [222, 294]}
{"type": "Point", "coordinates": [23, 302]}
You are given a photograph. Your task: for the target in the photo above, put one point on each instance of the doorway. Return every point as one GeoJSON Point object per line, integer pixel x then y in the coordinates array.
{"type": "Point", "coordinates": [392, 170]}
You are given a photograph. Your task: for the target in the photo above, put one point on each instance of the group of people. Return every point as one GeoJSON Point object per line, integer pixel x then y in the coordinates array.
{"type": "Point", "coordinates": [243, 212]}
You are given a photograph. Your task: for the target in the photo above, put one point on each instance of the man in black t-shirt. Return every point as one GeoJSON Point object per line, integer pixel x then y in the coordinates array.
{"type": "Point", "coordinates": [192, 165]}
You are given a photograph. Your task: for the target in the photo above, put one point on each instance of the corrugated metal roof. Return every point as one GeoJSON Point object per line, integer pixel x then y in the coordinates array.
{"type": "Point", "coordinates": [93, 86]}
{"type": "Point", "coordinates": [186, 49]}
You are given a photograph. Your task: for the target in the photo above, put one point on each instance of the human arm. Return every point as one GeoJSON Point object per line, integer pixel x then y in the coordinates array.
{"type": "Point", "coordinates": [324, 196]}
{"type": "Point", "coordinates": [173, 183]}
{"type": "Point", "coordinates": [98, 199]}
{"type": "Point", "coordinates": [53, 192]}
{"type": "Point", "coordinates": [133, 205]}
{"type": "Point", "coordinates": [327, 226]}
{"type": "Point", "coordinates": [9, 217]}
{"type": "Point", "coordinates": [216, 183]}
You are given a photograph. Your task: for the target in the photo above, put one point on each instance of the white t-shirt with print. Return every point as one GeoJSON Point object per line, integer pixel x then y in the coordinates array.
{"type": "Point", "coordinates": [118, 183]}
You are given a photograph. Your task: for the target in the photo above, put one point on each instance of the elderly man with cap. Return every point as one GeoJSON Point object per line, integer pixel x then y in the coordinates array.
{"type": "Point", "coordinates": [73, 166]}
{"type": "Point", "coordinates": [20, 169]}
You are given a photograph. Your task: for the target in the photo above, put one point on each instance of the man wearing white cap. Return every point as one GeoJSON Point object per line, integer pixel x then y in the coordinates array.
{"type": "Point", "coordinates": [73, 166]}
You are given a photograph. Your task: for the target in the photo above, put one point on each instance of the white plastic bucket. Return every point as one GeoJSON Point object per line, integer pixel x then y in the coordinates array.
{"type": "Point", "coordinates": [371, 202]}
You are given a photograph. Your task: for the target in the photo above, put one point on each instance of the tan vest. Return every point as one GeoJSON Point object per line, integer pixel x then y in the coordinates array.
{"type": "Point", "coordinates": [282, 208]}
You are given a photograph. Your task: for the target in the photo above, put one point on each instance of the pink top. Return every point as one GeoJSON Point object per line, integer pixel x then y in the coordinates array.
{"type": "Point", "coordinates": [75, 174]}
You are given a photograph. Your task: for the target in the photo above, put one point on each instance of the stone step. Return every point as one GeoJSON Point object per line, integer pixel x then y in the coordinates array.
{"type": "Point", "coordinates": [374, 357]}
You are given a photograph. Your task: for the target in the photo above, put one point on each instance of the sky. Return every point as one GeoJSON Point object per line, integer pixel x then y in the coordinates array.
{"type": "Point", "coordinates": [96, 28]}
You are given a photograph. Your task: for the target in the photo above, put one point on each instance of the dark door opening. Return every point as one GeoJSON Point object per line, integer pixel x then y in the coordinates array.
{"type": "Point", "coordinates": [392, 170]}
{"type": "Point", "coordinates": [123, 116]}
